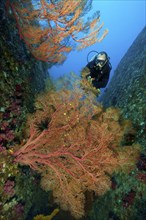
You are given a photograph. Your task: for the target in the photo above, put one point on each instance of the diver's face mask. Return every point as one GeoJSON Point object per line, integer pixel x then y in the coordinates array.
{"type": "Point", "coordinates": [100, 61]}
{"type": "Point", "coordinates": [100, 64]}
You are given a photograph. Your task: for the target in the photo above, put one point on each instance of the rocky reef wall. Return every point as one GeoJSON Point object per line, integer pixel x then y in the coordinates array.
{"type": "Point", "coordinates": [127, 88]}
{"type": "Point", "coordinates": [18, 69]}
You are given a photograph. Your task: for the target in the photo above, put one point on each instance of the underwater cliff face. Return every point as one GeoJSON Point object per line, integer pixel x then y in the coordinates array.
{"type": "Point", "coordinates": [17, 66]}
{"type": "Point", "coordinates": [127, 88]}
{"type": "Point", "coordinates": [21, 78]}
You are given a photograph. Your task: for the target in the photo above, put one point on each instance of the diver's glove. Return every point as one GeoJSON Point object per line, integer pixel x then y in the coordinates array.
{"type": "Point", "coordinates": [98, 90]}
{"type": "Point", "coordinates": [89, 79]}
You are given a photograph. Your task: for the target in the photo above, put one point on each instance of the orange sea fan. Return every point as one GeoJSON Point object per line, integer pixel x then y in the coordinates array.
{"type": "Point", "coordinates": [78, 150]}
{"type": "Point", "coordinates": [62, 25]}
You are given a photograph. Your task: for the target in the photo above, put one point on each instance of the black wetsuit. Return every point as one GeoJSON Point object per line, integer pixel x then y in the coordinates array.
{"type": "Point", "coordinates": [101, 76]}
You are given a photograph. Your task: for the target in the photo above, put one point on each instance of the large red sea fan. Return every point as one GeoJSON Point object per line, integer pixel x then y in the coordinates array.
{"type": "Point", "coordinates": [75, 145]}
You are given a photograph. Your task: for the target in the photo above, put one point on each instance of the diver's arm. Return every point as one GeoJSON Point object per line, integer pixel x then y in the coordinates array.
{"type": "Point", "coordinates": [102, 82]}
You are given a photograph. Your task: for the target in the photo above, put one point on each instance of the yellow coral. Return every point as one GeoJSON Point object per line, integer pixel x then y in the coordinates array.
{"type": "Point", "coordinates": [48, 217]}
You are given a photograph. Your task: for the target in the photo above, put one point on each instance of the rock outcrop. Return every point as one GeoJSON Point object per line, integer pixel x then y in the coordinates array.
{"type": "Point", "coordinates": [17, 66]}
{"type": "Point", "coordinates": [127, 88]}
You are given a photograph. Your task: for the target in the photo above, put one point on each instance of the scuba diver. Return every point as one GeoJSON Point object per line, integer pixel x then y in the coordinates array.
{"type": "Point", "coordinates": [99, 67]}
